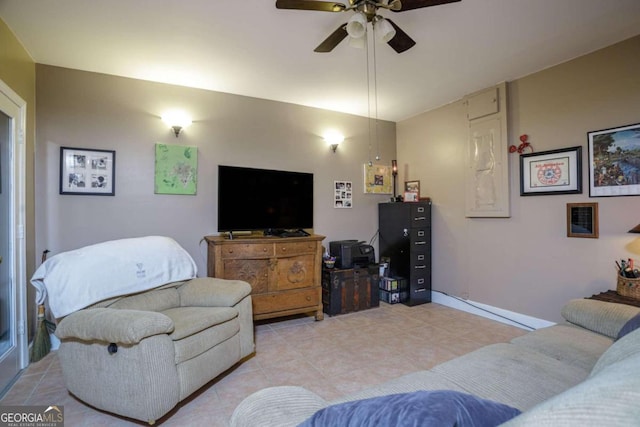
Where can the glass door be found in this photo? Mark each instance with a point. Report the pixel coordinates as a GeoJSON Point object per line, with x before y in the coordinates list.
{"type": "Point", "coordinates": [13, 354]}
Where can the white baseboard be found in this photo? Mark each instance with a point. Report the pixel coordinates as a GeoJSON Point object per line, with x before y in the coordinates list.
{"type": "Point", "coordinates": [500, 315]}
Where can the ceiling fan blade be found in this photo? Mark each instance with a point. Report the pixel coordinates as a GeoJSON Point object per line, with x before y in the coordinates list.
{"type": "Point", "coordinates": [322, 6]}
{"type": "Point", "coordinates": [417, 4]}
{"type": "Point", "coordinates": [333, 40]}
{"type": "Point", "coordinates": [401, 41]}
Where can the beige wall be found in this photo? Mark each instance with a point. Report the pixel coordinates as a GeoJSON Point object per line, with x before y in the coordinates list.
{"type": "Point", "coordinates": [526, 263]}
{"type": "Point", "coordinates": [523, 263]}
{"type": "Point", "coordinates": [17, 70]}
{"type": "Point", "coordinates": [89, 110]}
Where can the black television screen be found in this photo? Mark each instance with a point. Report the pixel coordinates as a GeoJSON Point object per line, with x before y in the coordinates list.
{"type": "Point", "coordinates": [260, 199]}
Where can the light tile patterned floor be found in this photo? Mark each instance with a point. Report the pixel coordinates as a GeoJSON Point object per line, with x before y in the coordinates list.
{"type": "Point", "coordinates": [339, 355]}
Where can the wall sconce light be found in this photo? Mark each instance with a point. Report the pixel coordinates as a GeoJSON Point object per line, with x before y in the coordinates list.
{"type": "Point", "coordinates": [333, 138]}
{"type": "Point", "coordinates": [176, 120]}
{"type": "Point", "coordinates": [635, 229]}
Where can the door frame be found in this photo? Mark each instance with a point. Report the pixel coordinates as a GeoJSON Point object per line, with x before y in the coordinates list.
{"type": "Point", "coordinates": [18, 220]}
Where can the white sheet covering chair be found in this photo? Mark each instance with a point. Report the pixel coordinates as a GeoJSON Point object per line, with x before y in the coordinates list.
{"type": "Point", "coordinates": [139, 354]}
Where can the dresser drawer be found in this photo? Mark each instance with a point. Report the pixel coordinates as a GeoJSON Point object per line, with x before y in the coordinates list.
{"type": "Point", "coordinates": [282, 301]}
{"type": "Point", "coordinates": [295, 248]}
{"type": "Point", "coordinates": [247, 251]}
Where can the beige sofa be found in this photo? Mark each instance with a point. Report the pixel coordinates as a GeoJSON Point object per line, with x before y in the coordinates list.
{"type": "Point", "coordinates": [139, 355]}
{"type": "Point", "coordinates": [570, 374]}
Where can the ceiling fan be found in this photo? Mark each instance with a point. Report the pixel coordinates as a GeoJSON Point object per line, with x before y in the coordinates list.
{"type": "Point", "coordinates": [366, 11]}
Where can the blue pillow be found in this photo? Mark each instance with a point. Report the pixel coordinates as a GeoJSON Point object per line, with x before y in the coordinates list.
{"type": "Point", "coordinates": [631, 325]}
{"type": "Point", "coordinates": [437, 408]}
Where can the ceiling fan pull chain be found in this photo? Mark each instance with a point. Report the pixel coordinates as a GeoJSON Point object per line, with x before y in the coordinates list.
{"type": "Point", "coordinates": [368, 95]}
{"type": "Point", "coordinates": [375, 99]}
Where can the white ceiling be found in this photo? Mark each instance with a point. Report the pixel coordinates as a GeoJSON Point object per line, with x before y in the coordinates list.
{"type": "Point", "coordinates": [248, 47]}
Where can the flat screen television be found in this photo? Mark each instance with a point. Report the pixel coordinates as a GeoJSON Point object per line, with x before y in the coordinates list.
{"type": "Point", "coordinates": [273, 201]}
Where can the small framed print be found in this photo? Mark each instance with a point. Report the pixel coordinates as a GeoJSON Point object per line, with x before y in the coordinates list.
{"type": "Point", "coordinates": [582, 220]}
{"type": "Point", "coordinates": [87, 172]}
{"type": "Point", "coordinates": [411, 191]}
{"type": "Point", "coordinates": [343, 194]}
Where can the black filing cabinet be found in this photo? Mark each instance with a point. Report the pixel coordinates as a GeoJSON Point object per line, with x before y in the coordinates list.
{"type": "Point", "coordinates": [405, 242]}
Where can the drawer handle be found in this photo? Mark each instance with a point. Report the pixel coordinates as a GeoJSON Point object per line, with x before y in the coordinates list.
{"type": "Point", "coordinates": [264, 249]}
{"type": "Point", "coordinates": [230, 251]}
{"type": "Point", "coordinates": [420, 267]}
{"type": "Point", "coordinates": [421, 243]}
{"type": "Point", "coordinates": [308, 298]}
{"type": "Point", "coordinates": [284, 249]}
{"type": "Point", "coordinates": [420, 218]}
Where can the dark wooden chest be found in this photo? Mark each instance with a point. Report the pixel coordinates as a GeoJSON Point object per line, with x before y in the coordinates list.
{"type": "Point", "coordinates": [349, 290]}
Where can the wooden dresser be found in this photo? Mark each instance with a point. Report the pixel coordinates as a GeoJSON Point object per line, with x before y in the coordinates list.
{"type": "Point", "coordinates": [284, 273]}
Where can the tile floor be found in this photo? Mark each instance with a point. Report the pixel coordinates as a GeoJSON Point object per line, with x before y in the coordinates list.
{"type": "Point", "coordinates": [339, 355]}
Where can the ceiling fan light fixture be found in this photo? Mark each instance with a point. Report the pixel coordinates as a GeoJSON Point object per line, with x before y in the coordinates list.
{"type": "Point", "coordinates": [384, 30]}
{"type": "Point", "coordinates": [357, 25]}
{"type": "Point", "coordinates": [358, 42]}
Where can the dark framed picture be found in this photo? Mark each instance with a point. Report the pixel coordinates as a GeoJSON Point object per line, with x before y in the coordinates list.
{"type": "Point", "coordinates": [87, 172]}
{"type": "Point", "coordinates": [614, 161]}
{"type": "Point", "coordinates": [582, 220]}
{"type": "Point", "coordinates": [551, 172]}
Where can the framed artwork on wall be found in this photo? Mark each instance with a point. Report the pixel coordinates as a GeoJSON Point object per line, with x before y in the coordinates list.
{"type": "Point", "coordinates": [614, 161]}
{"type": "Point", "coordinates": [87, 172]}
{"type": "Point", "coordinates": [377, 179]}
{"type": "Point", "coordinates": [582, 220]}
{"type": "Point", "coordinates": [176, 170]}
{"type": "Point", "coordinates": [343, 194]}
{"type": "Point", "coordinates": [551, 172]}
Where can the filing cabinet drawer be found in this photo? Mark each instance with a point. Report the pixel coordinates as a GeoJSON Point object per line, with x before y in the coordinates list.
{"type": "Point", "coordinates": [420, 216]}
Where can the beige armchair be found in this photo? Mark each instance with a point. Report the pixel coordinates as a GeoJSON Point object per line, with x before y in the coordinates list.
{"type": "Point", "coordinates": [139, 355]}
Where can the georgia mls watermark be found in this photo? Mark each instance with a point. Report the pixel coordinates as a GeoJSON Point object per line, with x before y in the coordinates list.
{"type": "Point", "coordinates": [32, 416]}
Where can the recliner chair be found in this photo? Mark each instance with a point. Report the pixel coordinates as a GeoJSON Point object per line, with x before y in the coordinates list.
{"type": "Point", "coordinates": [139, 332]}
{"type": "Point", "coordinates": [139, 355]}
